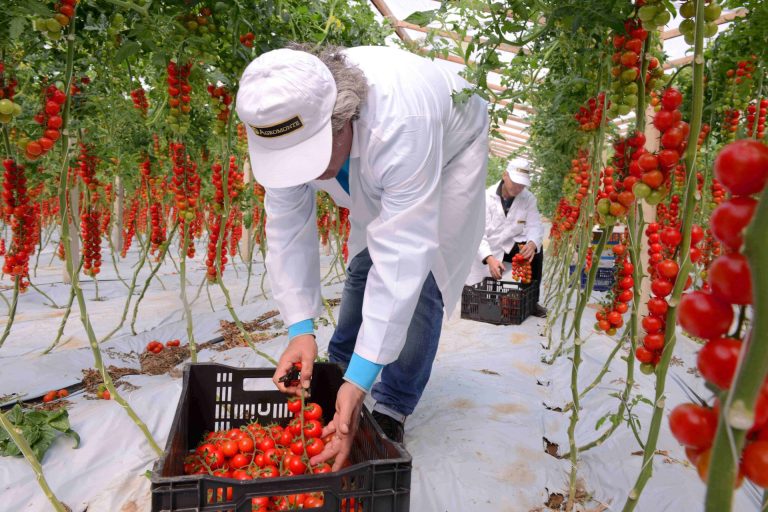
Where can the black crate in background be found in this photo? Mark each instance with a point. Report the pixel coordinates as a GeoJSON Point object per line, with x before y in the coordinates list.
{"type": "Point", "coordinates": [213, 398]}
{"type": "Point", "coordinates": [498, 302]}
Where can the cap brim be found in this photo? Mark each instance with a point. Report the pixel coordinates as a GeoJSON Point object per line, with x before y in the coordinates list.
{"type": "Point", "coordinates": [298, 164]}
{"type": "Point", "coordinates": [520, 180]}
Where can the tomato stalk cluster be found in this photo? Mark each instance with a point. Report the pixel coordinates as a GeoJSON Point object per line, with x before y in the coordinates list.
{"type": "Point", "coordinates": [708, 314]}
{"type": "Point", "coordinates": [17, 207]}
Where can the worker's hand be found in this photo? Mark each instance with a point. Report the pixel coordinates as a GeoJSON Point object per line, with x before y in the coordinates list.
{"type": "Point", "coordinates": [301, 349]}
{"type": "Point", "coordinates": [528, 251]}
{"type": "Point", "coordinates": [349, 402]}
{"type": "Point", "coordinates": [495, 267]}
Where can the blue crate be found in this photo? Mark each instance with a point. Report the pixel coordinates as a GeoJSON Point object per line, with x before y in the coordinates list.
{"type": "Point", "coordinates": [603, 280]}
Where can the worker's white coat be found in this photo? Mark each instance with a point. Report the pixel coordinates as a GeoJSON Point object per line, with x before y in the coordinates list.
{"type": "Point", "coordinates": [521, 224]}
{"type": "Point", "coordinates": [417, 171]}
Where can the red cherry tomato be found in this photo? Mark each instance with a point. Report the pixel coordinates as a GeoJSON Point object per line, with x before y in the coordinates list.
{"type": "Point", "coordinates": [717, 361]}
{"type": "Point", "coordinates": [704, 315]}
{"type": "Point", "coordinates": [693, 425]}
{"type": "Point", "coordinates": [742, 167]}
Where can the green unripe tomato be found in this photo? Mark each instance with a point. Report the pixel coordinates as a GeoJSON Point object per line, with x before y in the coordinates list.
{"type": "Point", "coordinates": [604, 206]}
{"type": "Point", "coordinates": [16, 110]}
{"type": "Point", "coordinates": [624, 109]}
{"type": "Point", "coordinates": [662, 18]}
{"type": "Point", "coordinates": [52, 25]}
{"type": "Point", "coordinates": [655, 197]}
{"type": "Point", "coordinates": [610, 220]}
{"type": "Point", "coordinates": [641, 190]}
{"type": "Point", "coordinates": [629, 75]}
{"type": "Point", "coordinates": [647, 368]}
{"type": "Point", "coordinates": [712, 11]}
{"type": "Point", "coordinates": [647, 13]}
{"type": "Point", "coordinates": [5, 118]}
{"type": "Point", "coordinates": [688, 10]}
{"type": "Point", "coordinates": [630, 100]}
{"type": "Point", "coordinates": [710, 29]}
{"type": "Point", "coordinates": [689, 39]}
{"type": "Point", "coordinates": [6, 107]}
{"type": "Point", "coordinates": [117, 20]}
{"type": "Point", "coordinates": [687, 26]}
{"type": "Point", "coordinates": [631, 88]}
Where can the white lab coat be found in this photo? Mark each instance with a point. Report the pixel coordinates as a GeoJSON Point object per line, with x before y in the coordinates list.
{"type": "Point", "coordinates": [521, 224]}
{"type": "Point", "coordinates": [417, 170]}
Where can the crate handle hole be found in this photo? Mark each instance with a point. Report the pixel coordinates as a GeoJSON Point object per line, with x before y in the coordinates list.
{"type": "Point", "coordinates": [255, 384]}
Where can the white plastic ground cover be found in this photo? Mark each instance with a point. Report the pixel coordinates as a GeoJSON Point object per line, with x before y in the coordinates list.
{"type": "Point", "coordinates": [477, 436]}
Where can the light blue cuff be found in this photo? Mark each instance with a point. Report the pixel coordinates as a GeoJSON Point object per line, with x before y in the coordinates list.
{"type": "Point", "coordinates": [303, 327]}
{"type": "Point", "coordinates": [362, 372]}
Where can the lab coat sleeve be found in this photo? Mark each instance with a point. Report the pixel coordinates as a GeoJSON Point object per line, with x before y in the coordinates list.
{"type": "Point", "coordinates": [534, 228]}
{"type": "Point", "coordinates": [293, 254]}
{"type": "Point", "coordinates": [405, 163]}
{"type": "Point", "coordinates": [485, 247]}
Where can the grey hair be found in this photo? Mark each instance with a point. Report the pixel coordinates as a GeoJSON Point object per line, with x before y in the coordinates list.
{"type": "Point", "coordinates": [351, 86]}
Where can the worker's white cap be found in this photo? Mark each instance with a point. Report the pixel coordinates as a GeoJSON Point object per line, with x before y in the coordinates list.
{"type": "Point", "coordinates": [517, 169]}
{"type": "Point", "coordinates": [285, 100]}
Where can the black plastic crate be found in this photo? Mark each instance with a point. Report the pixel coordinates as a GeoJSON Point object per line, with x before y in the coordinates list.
{"type": "Point", "coordinates": [498, 302]}
{"type": "Point", "coordinates": [213, 398]}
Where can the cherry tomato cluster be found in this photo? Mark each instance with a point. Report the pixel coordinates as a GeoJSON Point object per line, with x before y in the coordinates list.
{"type": "Point", "coordinates": [662, 245]}
{"type": "Point", "coordinates": [49, 117]}
{"type": "Point", "coordinates": [521, 269]}
{"type": "Point", "coordinates": [235, 229]}
{"type": "Point", "coordinates": [669, 215]}
{"type": "Point", "coordinates": [89, 232]}
{"type": "Point", "coordinates": [591, 116]}
{"type": "Point", "coordinates": [687, 27]}
{"type": "Point", "coordinates": [247, 39]}
{"type": "Point", "coordinates": [129, 226]}
{"type": "Point", "coordinates": [257, 451]}
{"type": "Point", "coordinates": [739, 83]}
{"type": "Point", "coordinates": [610, 318]}
{"type": "Point", "coordinates": [157, 235]}
{"type": "Point", "coordinates": [2, 247]}
{"type": "Point", "coordinates": [185, 183]}
{"type": "Point", "coordinates": [216, 215]}
{"type": "Point", "coordinates": [155, 347]}
{"type": "Point", "coordinates": [139, 98]}
{"type": "Point", "coordinates": [53, 395]}
{"type": "Point", "coordinates": [627, 66]}
{"type": "Point", "coordinates": [179, 91]}
{"type": "Point", "coordinates": [65, 11]}
{"type": "Point", "coordinates": [223, 101]}
{"type": "Point", "coordinates": [103, 393]}
{"type": "Point", "coordinates": [753, 113]}
{"type": "Point", "coordinates": [588, 260]}
{"type": "Point", "coordinates": [8, 108]}
{"type": "Point", "coordinates": [742, 166]}
{"type": "Point", "coordinates": [653, 14]}
{"type": "Point", "coordinates": [21, 214]}
{"type": "Point", "coordinates": [201, 23]}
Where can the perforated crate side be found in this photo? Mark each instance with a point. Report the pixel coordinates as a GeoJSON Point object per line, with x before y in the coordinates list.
{"type": "Point", "coordinates": [213, 397]}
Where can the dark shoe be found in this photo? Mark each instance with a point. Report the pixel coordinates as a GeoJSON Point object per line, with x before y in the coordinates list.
{"type": "Point", "coordinates": [539, 311]}
{"type": "Point", "coordinates": [392, 428]}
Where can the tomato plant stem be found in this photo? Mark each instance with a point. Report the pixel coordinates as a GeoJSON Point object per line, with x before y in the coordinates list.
{"type": "Point", "coordinates": [738, 411]}
{"type": "Point", "coordinates": [163, 250]}
{"type": "Point", "coordinates": [19, 440]}
{"type": "Point", "coordinates": [689, 206]}
{"type": "Point", "coordinates": [12, 311]}
{"type": "Point", "coordinates": [183, 293]}
{"type": "Point", "coordinates": [70, 266]}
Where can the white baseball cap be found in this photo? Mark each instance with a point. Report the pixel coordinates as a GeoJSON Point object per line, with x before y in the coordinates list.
{"type": "Point", "coordinates": [285, 100]}
{"type": "Point", "coordinates": [517, 169]}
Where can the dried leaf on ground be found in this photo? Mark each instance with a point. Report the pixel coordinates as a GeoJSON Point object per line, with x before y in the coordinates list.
{"type": "Point", "coordinates": [162, 362]}
{"type": "Point", "coordinates": [256, 328]}
{"type": "Point", "coordinates": [92, 377]}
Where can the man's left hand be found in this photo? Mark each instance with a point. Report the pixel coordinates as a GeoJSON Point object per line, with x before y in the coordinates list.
{"type": "Point", "coordinates": [349, 402]}
{"type": "Point", "coordinates": [528, 251]}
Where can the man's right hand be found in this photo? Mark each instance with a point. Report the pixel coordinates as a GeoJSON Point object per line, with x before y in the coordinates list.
{"type": "Point", "coordinates": [495, 267]}
{"type": "Point", "coordinates": [301, 349]}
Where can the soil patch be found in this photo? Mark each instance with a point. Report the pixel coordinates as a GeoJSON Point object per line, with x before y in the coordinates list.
{"type": "Point", "coordinates": [92, 377]}
{"type": "Point", "coordinates": [162, 362]}
{"type": "Point", "coordinates": [259, 329]}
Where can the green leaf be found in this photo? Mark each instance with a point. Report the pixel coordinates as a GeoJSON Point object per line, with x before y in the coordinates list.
{"type": "Point", "coordinates": [422, 18]}
{"type": "Point", "coordinates": [16, 27]}
{"type": "Point", "coordinates": [127, 50]}
{"type": "Point", "coordinates": [74, 435]}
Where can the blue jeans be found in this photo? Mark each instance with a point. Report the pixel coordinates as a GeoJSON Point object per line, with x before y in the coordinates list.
{"type": "Point", "coordinates": [402, 381]}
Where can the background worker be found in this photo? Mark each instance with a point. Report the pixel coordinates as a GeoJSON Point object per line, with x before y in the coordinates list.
{"type": "Point", "coordinates": [512, 221]}
{"type": "Point", "coordinates": [376, 128]}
